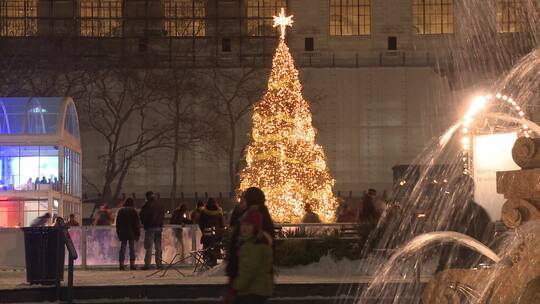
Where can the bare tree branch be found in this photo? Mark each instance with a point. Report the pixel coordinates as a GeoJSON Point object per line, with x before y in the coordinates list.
{"type": "Point", "coordinates": [234, 93]}
{"type": "Point", "coordinates": [116, 100]}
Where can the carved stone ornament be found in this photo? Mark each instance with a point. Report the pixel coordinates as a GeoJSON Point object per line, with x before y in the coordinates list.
{"type": "Point", "coordinates": [515, 212]}
{"type": "Point", "coordinates": [526, 152]}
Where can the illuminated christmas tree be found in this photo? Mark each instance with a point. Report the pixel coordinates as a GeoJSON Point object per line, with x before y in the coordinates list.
{"type": "Point", "coordinates": [283, 158]}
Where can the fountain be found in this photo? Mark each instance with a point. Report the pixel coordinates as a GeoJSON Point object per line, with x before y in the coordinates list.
{"type": "Point", "coordinates": [442, 195]}
{"type": "Point", "coordinates": [439, 193]}
{"type": "Point", "coordinates": [437, 237]}
{"type": "Point", "coordinates": [516, 278]}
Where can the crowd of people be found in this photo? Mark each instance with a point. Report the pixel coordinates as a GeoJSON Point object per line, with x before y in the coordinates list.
{"type": "Point", "coordinates": [208, 215]}
{"type": "Point", "coordinates": [250, 249]}
{"type": "Point", "coordinates": [37, 183]}
{"type": "Point", "coordinates": [211, 219]}
{"type": "Point", "coordinates": [367, 212]}
{"type": "Point", "coordinates": [250, 234]}
{"type": "Point", "coordinates": [251, 231]}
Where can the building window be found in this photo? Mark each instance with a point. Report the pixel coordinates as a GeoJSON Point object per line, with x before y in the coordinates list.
{"type": "Point", "coordinates": [29, 168]}
{"type": "Point", "coordinates": [72, 208]}
{"type": "Point", "coordinates": [72, 173]}
{"type": "Point", "coordinates": [510, 16]}
{"type": "Point", "coordinates": [18, 18]}
{"type": "Point", "coordinates": [71, 121]}
{"type": "Point", "coordinates": [433, 16]}
{"type": "Point", "coordinates": [350, 17]}
{"type": "Point", "coordinates": [100, 18]}
{"type": "Point", "coordinates": [185, 18]}
{"type": "Point", "coordinates": [260, 16]}
{"type": "Point", "coordinates": [33, 209]}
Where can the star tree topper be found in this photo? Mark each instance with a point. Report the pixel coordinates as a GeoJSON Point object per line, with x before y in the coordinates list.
{"type": "Point", "coordinates": [283, 21]}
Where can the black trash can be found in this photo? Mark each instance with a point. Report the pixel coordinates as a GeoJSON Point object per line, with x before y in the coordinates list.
{"type": "Point", "coordinates": [45, 254]}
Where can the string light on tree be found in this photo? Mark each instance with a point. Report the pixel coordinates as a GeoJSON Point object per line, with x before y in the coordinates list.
{"type": "Point", "coordinates": [283, 158]}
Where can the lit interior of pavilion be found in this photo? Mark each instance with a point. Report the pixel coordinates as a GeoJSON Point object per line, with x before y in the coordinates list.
{"type": "Point", "coordinates": [40, 159]}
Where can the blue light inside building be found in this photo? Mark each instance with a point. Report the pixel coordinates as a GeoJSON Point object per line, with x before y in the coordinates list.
{"type": "Point", "coordinates": [40, 158]}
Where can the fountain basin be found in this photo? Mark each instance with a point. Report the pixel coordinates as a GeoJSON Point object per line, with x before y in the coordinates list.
{"type": "Point", "coordinates": [514, 280]}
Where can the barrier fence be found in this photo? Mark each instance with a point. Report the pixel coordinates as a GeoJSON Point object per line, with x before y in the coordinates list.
{"type": "Point", "coordinates": [98, 246]}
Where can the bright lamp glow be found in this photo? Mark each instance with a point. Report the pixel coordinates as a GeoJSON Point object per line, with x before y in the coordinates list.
{"type": "Point", "coordinates": [492, 153]}
{"type": "Point", "coordinates": [478, 104]}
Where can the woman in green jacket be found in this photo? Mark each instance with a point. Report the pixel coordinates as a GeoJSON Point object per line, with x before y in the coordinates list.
{"type": "Point", "coordinates": [254, 284]}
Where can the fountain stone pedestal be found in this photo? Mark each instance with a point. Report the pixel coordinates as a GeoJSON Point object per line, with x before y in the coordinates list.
{"type": "Point", "coordinates": [521, 188]}
{"type": "Point", "coordinates": [516, 279]}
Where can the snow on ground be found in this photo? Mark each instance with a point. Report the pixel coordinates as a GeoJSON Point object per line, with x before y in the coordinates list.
{"type": "Point", "coordinates": [328, 267]}
{"type": "Point", "coordinates": [327, 270]}
{"type": "Point", "coordinates": [107, 277]}
{"type": "Point", "coordinates": [13, 280]}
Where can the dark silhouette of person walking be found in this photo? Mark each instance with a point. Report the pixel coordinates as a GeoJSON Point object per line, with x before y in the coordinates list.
{"type": "Point", "coordinates": [152, 215]}
{"type": "Point", "coordinates": [254, 281]}
{"type": "Point", "coordinates": [179, 217]}
{"type": "Point", "coordinates": [254, 199]}
{"type": "Point", "coordinates": [41, 221]}
{"type": "Point", "coordinates": [128, 232]}
{"type": "Point", "coordinates": [211, 224]}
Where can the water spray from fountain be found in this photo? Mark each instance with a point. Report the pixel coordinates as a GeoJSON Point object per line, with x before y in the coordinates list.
{"type": "Point", "coordinates": [441, 199]}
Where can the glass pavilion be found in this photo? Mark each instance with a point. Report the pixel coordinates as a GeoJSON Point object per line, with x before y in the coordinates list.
{"type": "Point", "coordinates": [40, 159]}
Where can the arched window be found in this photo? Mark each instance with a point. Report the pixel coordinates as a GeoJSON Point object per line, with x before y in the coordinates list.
{"type": "Point", "coordinates": [42, 116]}
{"type": "Point", "coordinates": [35, 122]}
{"type": "Point", "coordinates": [12, 114]}
{"type": "Point", "coordinates": [4, 119]}
{"type": "Point", "coordinates": [71, 123]}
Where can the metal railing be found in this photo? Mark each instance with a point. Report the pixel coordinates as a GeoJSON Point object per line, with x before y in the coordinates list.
{"type": "Point", "coordinates": [98, 246]}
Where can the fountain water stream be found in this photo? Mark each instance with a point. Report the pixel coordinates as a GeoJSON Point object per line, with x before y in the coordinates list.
{"type": "Point", "coordinates": [509, 118]}
{"type": "Point", "coordinates": [441, 193]}
{"type": "Point", "coordinates": [431, 238]}
{"type": "Point", "coordinates": [418, 246]}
